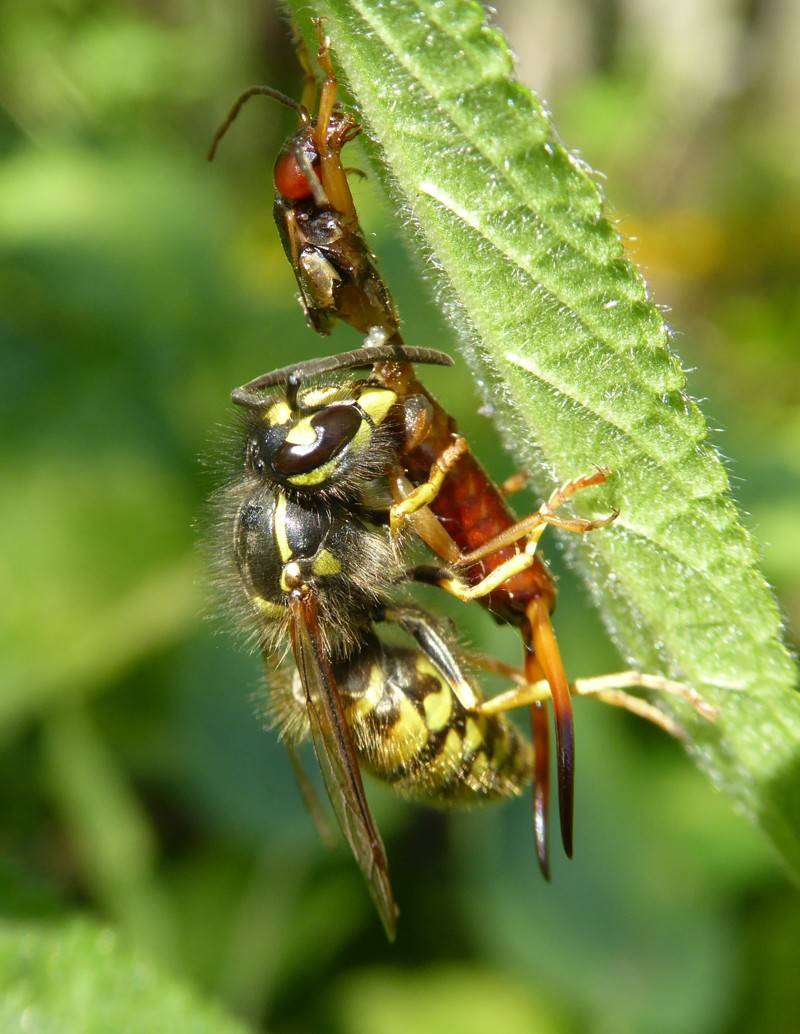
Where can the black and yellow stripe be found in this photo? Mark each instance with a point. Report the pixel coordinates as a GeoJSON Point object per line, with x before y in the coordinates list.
{"type": "Point", "coordinates": [412, 732]}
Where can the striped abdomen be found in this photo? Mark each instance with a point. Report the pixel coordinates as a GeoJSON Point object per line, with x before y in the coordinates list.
{"type": "Point", "coordinates": [412, 732]}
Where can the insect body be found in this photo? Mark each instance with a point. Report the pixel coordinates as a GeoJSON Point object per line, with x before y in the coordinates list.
{"type": "Point", "coordinates": [338, 280]}
{"type": "Point", "coordinates": [509, 579]}
{"type": "Point", "coordinates": [312, 575]}
{"type": "Point", "coordinates": [297, 548]}
{"type": "Point", "coordinates": [315, 214]}
{"type": "Point", "coordinates": [410, 727]}
{"type": "Point", "coordinates": [306, 547]}
{"type": "Point", "coordinates": [318, 575]}
{"type": "Point", "coordinates": [337, 441]}
{"type": "Point", "coordinates": [331, 469]}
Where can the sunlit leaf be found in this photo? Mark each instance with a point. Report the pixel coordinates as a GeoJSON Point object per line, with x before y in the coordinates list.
{"type": "Point", "coordinates": [574, 357]}
{"type": "Point", "coordinates": [467, 999]}
{"type": "Point", "coordinates": [76, 978]}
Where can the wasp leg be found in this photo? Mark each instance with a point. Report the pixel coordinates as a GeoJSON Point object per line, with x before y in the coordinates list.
{"type": "Point", "coordinates": [609, 689]}
{"type": "Point", "coordinates": [311, 800]}
{"type": "Point", "coordinates": [532, 527]}
{"type": "Point", "coordinates": [513, 484]}
{"type": "Point", "coordinates": [425, 524]}
{"type": "Point", "coordinates": [540, 738]}
{"type": "Point", "coordinates": [433, 644]}
{"type": "Point", "coordinates": [309, 94]}
{"type": "Point", "coordinates": [424, 494]}
{"type": "Point", "coordinates": [333, 176]}
{"type": "Point", "coordinates": [318, 188]}
{"type": "Point", "coordinates": [293, 235]}
{"type": "Point", "coordinates": [547, 656]}
{"type": "Point", "coordinates": [467, 593]}
{"type": "Point", "coordinates": [495, 666]}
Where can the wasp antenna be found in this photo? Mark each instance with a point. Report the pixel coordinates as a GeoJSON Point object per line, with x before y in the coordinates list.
{"type": "Point", "coordinates": [242, 99]}
{"type": "Point", "coordinates": [293, 382]}
{"type": "Point", "coordinates": [359, 359]}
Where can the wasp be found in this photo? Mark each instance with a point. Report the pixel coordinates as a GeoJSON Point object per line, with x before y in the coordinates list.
{"type": "Point", "coordinates": [438, 487]}
{"type": "Point", "coordinates": [306, 549]}
{"type": "Point", "coordinates": [314, 209]}
{"type": "Point", "coordinates": [338, 280]}
{"type": "Point", "coordinates": [298, 535]}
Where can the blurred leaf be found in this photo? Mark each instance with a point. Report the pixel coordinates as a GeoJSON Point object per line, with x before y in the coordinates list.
{"type": "Point", "coordinates": [77, 978]}
{"type": "Point", "coordinates": [575, 358]}
{"type": "Point", "coordinates": [93, 575]}
{"type": "Point", "coordinates": [441, 1000]}
{"type": "Point", "coordinates": [109, 829]}
{"type": "Point", "coordinates": [640, 912]}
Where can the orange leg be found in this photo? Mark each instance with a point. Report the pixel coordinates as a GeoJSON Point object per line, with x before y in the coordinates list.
{"type": "Point", "coordinates": [309, 94]}
{"type": "Point", "coordinates": [514, 483]}
{"type": "Point", "coordinates": [334, 178]}
{"type": "Point", "coordinates": [532, 527]}
{"type": "Point", "coordinates": [425, 524]}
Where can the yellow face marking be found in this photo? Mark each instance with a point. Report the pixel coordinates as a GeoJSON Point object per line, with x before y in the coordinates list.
{"type": "Point", "coordinates": [473, 737]}
{"type": "Point", "coordinates": [281, 538]}
{"type": "Point", "coordinates": [362, 437]}
{"type": "Point", "coordinates": [314, 477]}
{"type": "Point", "coordinates": [376, 403]}
{"type": "Point", "coordinates": [319, 396]}
{"type": "Point", "coordinates": [408, 735]}
{"type": "Point", "coordinates": [325, 563]}
{"type": "Point", "coordinates": [438, 705]}
{"type": "Point", "coordinates": [279, 413]}
{"type": "Point", "coordinates": [270, 610]}
{"type": "Point", "coordinates": [302, 433]}
{"type": "Point", "coordinates": [374, 692]}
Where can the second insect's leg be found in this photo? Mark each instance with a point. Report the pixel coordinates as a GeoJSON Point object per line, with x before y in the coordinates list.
{"type": "Point", "coordinates": [425, 493]}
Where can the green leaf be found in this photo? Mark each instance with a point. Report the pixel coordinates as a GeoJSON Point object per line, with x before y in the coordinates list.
{"type": "Point", "coordinates": [463, 998]}
{"type": "Point", "coordinates": [574, 358]}
{"type": "Point", "coordinates": [77, 978]}
{"type": "Point", "coordinates": [108, 829]}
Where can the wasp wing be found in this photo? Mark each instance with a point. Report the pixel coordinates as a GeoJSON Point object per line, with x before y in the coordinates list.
{"type": "Point", "coordinates": [337, 759]}
{"type": "Point", "coordinates": [313, 804]}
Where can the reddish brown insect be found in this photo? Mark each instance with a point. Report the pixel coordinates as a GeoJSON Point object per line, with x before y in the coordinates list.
{"type": "Point", "coordinates": [314, 210]}
{"type": "Point", "coordinates": [510, 580]}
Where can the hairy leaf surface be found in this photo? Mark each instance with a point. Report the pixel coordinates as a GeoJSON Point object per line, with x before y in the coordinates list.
{"type": "Point", "coordinates": [574, 357]}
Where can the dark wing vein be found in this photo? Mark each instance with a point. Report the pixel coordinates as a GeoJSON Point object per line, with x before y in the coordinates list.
{"type": "Point", "coordinates": [337, 759]}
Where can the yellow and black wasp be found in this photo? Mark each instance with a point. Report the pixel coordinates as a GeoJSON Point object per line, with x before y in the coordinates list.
{"type": "Point", "coordinates": [306, 548]}
{"type": "Point", "coordinates": [338, 280]}
{"type": "Point", "coordinates": [300, 534]}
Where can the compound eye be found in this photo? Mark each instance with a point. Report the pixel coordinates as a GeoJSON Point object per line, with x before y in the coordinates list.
{"type": "Point", "coordinates": [335, 428]}
{"type": "Point", "coordinates": [290, 179]}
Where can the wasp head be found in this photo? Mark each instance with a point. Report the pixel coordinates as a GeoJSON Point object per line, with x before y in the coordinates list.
{"type": "Point", "coordinates": [326, 440]}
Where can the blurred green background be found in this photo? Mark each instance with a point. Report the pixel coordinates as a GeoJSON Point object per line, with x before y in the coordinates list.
{"type": "Point", "coordinates": [138, 285]}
